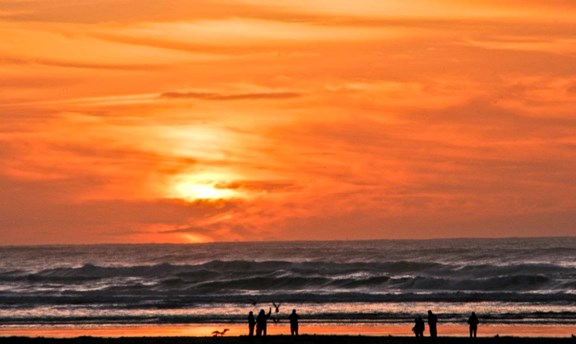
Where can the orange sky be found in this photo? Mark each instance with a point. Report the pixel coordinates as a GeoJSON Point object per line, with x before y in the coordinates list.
{"type": "Point", "coordinates": [191, 121]}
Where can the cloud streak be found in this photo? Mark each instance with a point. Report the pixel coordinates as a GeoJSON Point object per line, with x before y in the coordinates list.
{"type": "Point", "coordinates": [238, 96]}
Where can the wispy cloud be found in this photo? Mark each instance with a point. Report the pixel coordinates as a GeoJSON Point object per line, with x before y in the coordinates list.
{"type": "Point", "coordinates": [79, 64]}
{"type": "Point", "coordinates": [236, 96]}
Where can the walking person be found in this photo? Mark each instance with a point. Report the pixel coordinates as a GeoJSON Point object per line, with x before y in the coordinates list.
{"type": "Point", "coordinates": [473, 322]}
{"type": "Point", "coordinates": [294, 323]}
{"type": "Point", "coordinates": [261, 322]}
{"type": "Point", "coordinates": [251, 324]}
{"type": "Point", "coordinates": [432, 321]}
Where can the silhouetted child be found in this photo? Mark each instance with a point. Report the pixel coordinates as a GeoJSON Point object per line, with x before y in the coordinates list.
{"type": "Point", "coordinates": [261, 322]}
{"type": "Point", "coordinates": [473, 322]}
{"type": "Point", "coordinates": [251, 324]}
{"type": "Point", "coordinates": [419, 327]}
{"type": "Point", "coordinates": [432, 321]}
{"type": "Point", "coordinates": [294, 323]}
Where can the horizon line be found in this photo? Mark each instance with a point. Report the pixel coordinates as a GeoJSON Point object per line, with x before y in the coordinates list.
{"type": "Point", "coordinates": [290, 241]}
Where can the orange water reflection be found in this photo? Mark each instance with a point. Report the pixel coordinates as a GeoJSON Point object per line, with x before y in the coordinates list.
{"type": "Point", "coordinates": [195, 330]}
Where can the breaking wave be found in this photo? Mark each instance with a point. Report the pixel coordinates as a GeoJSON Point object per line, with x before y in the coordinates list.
{"type": "Point", "coordinates": [127, 283]}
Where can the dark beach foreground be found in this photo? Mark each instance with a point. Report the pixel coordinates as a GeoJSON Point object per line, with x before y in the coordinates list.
{"type": "Point", "coordinates": [306, 339]}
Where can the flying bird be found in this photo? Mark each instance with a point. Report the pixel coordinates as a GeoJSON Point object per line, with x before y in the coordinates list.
{"type": "Point", "coordinates": [219, 333]}
{"type": "Point", "coordinates": [277, 306]}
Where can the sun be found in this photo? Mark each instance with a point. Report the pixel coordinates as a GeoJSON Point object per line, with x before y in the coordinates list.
{"type": "Point", "coordinates": [191, 191]}
{"type": "Point", "coordinates": [202, 187]}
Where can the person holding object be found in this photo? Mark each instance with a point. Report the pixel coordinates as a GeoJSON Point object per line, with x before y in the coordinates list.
{"type": "Point", "coordinates": [261, 322]}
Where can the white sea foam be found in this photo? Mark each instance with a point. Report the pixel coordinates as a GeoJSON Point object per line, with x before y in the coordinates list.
{"type": "Point", "coordinates": [505, 280]}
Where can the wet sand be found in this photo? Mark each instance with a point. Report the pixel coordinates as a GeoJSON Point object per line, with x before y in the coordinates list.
{"type": "Point", "coordinates": [236, 330]}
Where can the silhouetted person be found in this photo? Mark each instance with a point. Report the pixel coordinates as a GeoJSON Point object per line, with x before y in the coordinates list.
{"type": "Point", "coordinates": [473, 322]}
{"type": "Point", "coordinates": [432, 321]}
{"type": "Point", "coordinates": [261, 320]}
{"type": "Point", "coordinates": [294, 323]}
{"type": "Point", "coordinates": [251, 324]}
{"type": "Point", "coordinates": [418, 327]}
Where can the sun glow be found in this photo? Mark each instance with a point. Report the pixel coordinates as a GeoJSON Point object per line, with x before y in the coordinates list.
{"type": "Point", "coordinates": [193, 188]}
{"type": "Point", "coordinates": [192, 191]}
{"type": "Point", "coordinates": [196, 238]}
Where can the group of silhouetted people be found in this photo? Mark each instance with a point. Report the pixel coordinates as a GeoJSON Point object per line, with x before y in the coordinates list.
{"type": "Point", "coordinates": [419, 325]}
{"type": "Point", "coordinates": [261, 323]}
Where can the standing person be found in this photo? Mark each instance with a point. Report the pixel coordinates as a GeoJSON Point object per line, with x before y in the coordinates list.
{"type": "Point", "coordinates": [251, 324]}
{"type": "Point", "coordinates": [294, 323]}
{"type": "Point", "coordinates": [261, 322]}
{"type": "Point", "coordinates": [419, 327]}
{"type": "Point", "coordinates": [432, 321]}
{"type": "Point", "coordinates": [473, 322]}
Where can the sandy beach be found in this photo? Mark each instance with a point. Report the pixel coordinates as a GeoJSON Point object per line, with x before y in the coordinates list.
{"type": "Point", "coordinates": [319, 339]}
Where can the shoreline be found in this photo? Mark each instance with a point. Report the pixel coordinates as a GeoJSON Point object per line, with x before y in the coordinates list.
{"type": "Point", "coordinates": [239, 330]}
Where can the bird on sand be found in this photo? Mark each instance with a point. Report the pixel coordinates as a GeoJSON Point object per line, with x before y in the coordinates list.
{"type": "Point", "coordinates": [219, 333]}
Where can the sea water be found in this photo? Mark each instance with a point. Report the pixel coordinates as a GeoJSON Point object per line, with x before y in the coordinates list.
{"type": "Point", "coordinates": [505, 281]}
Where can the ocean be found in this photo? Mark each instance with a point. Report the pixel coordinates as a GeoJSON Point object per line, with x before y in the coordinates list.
{"type": "Point", "coordinates": [505, 281]}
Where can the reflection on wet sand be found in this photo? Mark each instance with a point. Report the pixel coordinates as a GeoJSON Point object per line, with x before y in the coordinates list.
{"type": "Point", "coordinates": [205, 330]}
